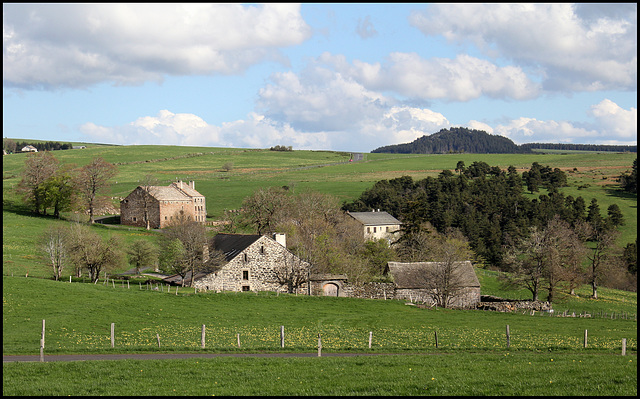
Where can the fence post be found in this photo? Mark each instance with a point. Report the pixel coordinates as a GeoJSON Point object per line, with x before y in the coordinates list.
{"type": "Point", "coordinates": [202, 338]}
{"type": "Point", "coordinates": [624, 346]}
{"type": "Point", "coordinates": [113, 326]}
{"type": "Point", "coordinates": [319, 345]}
{"type": "Point", "coordinates": [585, 338]}
{"type": "Point", "coordinates": [436, 336]}
{"type": "Point", "coordinates": [282, 336]}
{"type": "Point", "coordinates": [42, 343]}
{"type": "Point", "coordinates": [508, 337]}
{"type": "Point", "coordinates": [238, 335]}
{"type": "Point", "coordinates": [370, 338]}
{"type": "Point", "coordinates": [158, 337]}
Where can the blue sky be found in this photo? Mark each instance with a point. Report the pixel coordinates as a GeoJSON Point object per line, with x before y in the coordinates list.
{"type": "Point", "coordinates": [349, 77]}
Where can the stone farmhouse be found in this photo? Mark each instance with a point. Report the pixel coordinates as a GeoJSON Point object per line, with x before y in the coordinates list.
{"type": "Point", "coordinates": [411, 281]}
{"type": "Point", "coordinates": [377, 224]}
{"type": "Point", "coordinates": [252, 264]}
{"type": "Point", "coordinates": [162, 204]}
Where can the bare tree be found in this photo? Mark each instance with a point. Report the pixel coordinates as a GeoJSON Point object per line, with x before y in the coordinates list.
{"type": "Point", "coordinates": [526, 260]}
{"type": "Point", "coordinates": [193, 240]}
{"type": "Point", "coordinates": [604, 240]}
{"type": "Point", "coordinates": [86, 249]}
{"type": "Point", "coordinates": [291, 272]}
{"type": "Point", "coordinates": [38, 167]}
{"type": "Point", "coordinates": [147, 184]}
{"type": "Point", "coordinates": [264, 208]}
{"type": "Point", "coordinates": [53, 244]}
{"type": "Point", "coordinates": [92, 183]}
{"type": "Point", "coordinates": [447, 277]}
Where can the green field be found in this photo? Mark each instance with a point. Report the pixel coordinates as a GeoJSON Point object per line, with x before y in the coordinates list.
{"type": "Point", "coordinates": [471, 358]}
{"type": "Point", "coordinates": [323, 171]}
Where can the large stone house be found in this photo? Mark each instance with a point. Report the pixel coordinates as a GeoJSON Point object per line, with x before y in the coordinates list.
{"type": "Point", "coordinates": [253, 263]}
{"type": "Point", "coordinates": [377, 224]}
{"type": "Point", "coordinates": [414, 281]}
{"type": "Point", "coordinates": [162, 204]}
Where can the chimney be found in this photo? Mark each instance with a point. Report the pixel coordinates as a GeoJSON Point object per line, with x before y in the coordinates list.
{"type": "Point", "coordinates": [180, 184]}
{"type": "Point", "coordinates": [192, 184]}
{"type": "Point", "coordinates": [280, 238]}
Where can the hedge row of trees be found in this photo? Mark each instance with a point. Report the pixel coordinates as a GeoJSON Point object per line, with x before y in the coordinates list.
{"type": "Point", "coordinates": [11, 146]}
{"type": "Point", "coordinates": [47, 184]}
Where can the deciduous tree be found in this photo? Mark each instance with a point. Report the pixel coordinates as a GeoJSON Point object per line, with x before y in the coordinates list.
{"type": "Point", "coordinates": [92, 183]}
{"type": "Point", "coordinates": [38, 168]}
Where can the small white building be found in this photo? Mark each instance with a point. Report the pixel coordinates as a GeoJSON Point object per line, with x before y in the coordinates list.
{"type": "Point", "coordinates": [377, 224]}
{"type": "Point", "coordinates": [29, 148]}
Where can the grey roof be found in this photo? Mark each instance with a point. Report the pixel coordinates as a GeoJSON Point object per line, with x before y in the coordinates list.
{"type": "Point", "coordinates": [414, 274]}
{"type": "Point", "coordinates": [233, 244]}
{"type": "Point", "coordinates": [374, 218]}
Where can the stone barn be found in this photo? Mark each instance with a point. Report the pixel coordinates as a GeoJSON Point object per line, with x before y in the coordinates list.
{"type": "Point", "coordinates": [421, 281]}
{"type": "Point", "coordinates": [162, 204]}
{"type": "Point", "coordinates": [253, 263]}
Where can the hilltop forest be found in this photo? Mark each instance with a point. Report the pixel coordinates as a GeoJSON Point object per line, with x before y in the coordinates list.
{"type": "Point", "coordinates": [463, 140]}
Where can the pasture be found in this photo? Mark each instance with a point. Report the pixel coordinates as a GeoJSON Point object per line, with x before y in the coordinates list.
{"type": "Point", "coordinates": [471, 358]}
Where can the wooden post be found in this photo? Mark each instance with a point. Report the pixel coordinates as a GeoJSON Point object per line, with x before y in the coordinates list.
{"type": "Point", "coordinates": [436, 336]}
{"type": "Point", "coordinates": [176, 290]}
{"type": "Point", "coordinates": [202, 338]}
{"type": "Point", "coordinates": [238, 335]}
{"type": "Point", "coordinates": [624, 346]}
{"type": "Point", "coordinates": [113, 282]}
{"type": "Point", "coordinates": [113, 326]}
{"type": "Point", "coordinates": [69, 278]}
{"type": "Point", "coordinates": [140, 285]}
{"type": "Point", "coordinates": [585, 338]}
{"type": "Point", "coordinates": [282, 336]}
{"type": "Point", "coordinates": [508, 337]}
{"type": "Point", "coordinates": [158, 338]}
{"type": "Point", "coordinates": [128, 284]}
{"type": "Point", "coordinates": [42, 343]}
{"type": "Point", "coordinates": [319, 345]}
{"type": "Point", "coordinates": [370, 338]}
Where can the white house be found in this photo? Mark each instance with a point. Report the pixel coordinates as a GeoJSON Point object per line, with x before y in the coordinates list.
{"type": "Point", "coordinates": [29, 148]}
{"type": "Point", "coordinates": [377, 224]}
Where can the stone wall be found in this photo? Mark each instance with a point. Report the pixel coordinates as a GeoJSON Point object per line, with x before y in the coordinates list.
{"type": "Point", "coordinates": [251, 270]}
{"type": "Point", "coordinates": [497, 304]}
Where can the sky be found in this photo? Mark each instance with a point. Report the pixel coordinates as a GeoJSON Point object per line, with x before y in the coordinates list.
{"type": "Point", "coordinates": [324, 76]}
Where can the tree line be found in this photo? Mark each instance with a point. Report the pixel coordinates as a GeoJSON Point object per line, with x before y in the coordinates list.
{"type": "Point", "coordinates": [487, 206]}
{"type": "Point", "coordinates": [11, 146]}
{"type": "Point", "coordinates": [464, 140]}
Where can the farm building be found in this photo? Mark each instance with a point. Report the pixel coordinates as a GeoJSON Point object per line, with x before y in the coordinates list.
{"type": "Point", "coordinates": [430, 282]}
{"type": "Point", "coordinates": [377, 224]}
{"type": "Point", "coordinates": [29, 148]}
{"type": "Point", "coordinates": [162, 204]}
{"type": "Point", "coordinates": [255, 263]}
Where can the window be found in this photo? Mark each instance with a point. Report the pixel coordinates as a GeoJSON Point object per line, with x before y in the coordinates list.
{"type": "Point", "coordinates": [262, 249]}
{"type": "Point", "coordinates": [245, 288]}
{"type": "Point", "coordinates": [368, 230]}
{"type": "Point", "coordinates": [246, 257]}
{"type": "Point", "coordinates": [245, 274]}
{"type": "Point", "coordinates": [134, 218]}
{"type": "Point", "coordinates": [375, 229]}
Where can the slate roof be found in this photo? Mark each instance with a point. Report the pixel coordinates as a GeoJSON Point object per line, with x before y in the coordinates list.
{"type": "Point", "coordinates": [413, 275]}
{"type": "Point", "coordinates": [173, 192]}
{"type": "Point", "coordinates": [233, 244]}
{"type": "Point", "coordinates": [374, 218]}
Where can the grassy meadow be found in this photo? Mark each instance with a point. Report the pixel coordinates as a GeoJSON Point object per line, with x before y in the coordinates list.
{"type": "Point", "coordinates": [546, 354]}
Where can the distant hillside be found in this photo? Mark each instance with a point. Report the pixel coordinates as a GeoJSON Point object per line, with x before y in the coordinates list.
{"type": "Point", "coordinates": [456, 140]}
{"type": "Point", "coordinates": [463, 140]}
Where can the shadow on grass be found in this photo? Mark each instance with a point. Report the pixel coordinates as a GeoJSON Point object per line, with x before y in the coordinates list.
{"type": "Point", "coordinates": [618, 193]}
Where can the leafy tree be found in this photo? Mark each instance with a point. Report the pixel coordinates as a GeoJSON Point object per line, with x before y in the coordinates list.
{"type": "Point", "coordinates": [58, 191]}
{"type": "Point", "coordinates": [291, 271]}
{"type": "Point", "coordinates": [264, 208]}
{"type": "Point", "coordinates": [92, 183]}
{"type": "Point", "coordinates": [142, 253]}
{"type": "Point", "coordinates": [603, 239]}
{"type": "Point", "coordinates": [630, 257]}
{"type": "Point", "coordinates": [172, 258]}
{"type": "Point", "coordinates": [614, 215]}
{"type": "Point", "coordinates": [38, 167]}
{"type": "Point", "coordinates": [629, 181]}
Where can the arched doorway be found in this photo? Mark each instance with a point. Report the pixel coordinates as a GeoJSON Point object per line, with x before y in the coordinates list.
{"type": "Point", "coordinates": [330, 289]}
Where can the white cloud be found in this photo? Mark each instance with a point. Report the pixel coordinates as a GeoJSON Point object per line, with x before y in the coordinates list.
{"type": "Point", "coordinates": [460, 79]}
{"type": "Point", "coordinates": [365, 28]}
{"type": "Point", "coordinates": [571, 47]}
{"type": "Point", "coordinates": [611, 125]}
{"type": "Point", "coordinates": [77, 45]}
